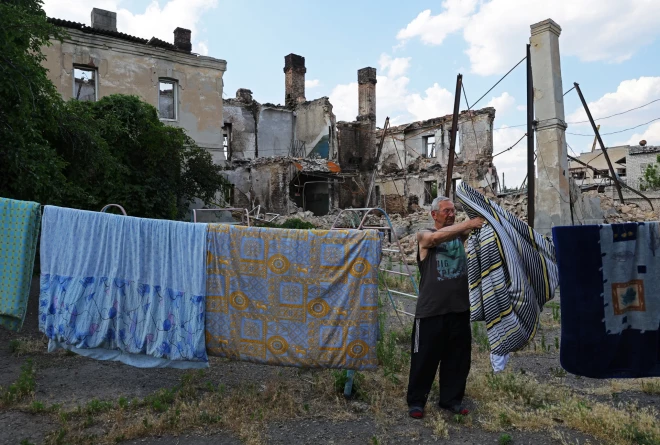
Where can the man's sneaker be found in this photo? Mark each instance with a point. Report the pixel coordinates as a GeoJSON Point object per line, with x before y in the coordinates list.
{"type": "Point", "coordinates": [416, 412]}
{"type": "Point", "coordinates": [456, 408]}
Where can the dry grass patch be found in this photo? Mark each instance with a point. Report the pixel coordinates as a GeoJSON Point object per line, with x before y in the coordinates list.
{"type": "Point", "coordinates": [522, 402]}
{"type": "Point", "coordinates": [27, 345]}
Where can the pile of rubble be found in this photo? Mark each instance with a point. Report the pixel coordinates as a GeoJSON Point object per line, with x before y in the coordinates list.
{"type": "Point", "coordinates": [615, 212]}
{"type": "Point", "coordinates": [406, 226]}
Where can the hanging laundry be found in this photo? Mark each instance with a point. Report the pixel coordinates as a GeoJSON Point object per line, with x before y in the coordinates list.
{"type": "Point", "coordinates": [306, 298]}
{"type": "Point", "coordinates": [512, 273]}
{"type": "Point", "coordinates": [19, 230]}
{"type": "Point", "coordinates": [610, 299]}
{"type": "Point", "coordinates": [122, 288]}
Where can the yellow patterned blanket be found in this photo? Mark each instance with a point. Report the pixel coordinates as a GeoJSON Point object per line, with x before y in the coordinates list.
{"type": "Point", "coordinates": [306, 298]}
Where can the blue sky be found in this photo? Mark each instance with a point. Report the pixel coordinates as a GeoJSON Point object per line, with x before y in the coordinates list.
{"type": "Point", "coordinates": [610, 47]}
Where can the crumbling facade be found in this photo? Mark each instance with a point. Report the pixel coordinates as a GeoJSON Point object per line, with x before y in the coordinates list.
{"type": "Point", "coordinates": [96, 61]}
{"type": "Point", "coordinates": [281, 156]}
{"type": "Point", "coordinates": [413, 163]}
{"type": "Point", "coordinates": [412, 166]}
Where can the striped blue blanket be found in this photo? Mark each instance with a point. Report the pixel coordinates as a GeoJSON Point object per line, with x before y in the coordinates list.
{"type": "Point", "coordinates": [610, 299]}
{"type": "Point", "coordinates": [122, 288]}
{"type": "Point", "coordinates": [512, 273]}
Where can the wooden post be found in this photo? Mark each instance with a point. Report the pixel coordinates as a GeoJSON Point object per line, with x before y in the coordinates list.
{"type": "Point", "coordinates": [600, 141]}
{"type": "Point", "coordinates": [531, 169]}
{"type": "Point", "coordinates": [452, 141]}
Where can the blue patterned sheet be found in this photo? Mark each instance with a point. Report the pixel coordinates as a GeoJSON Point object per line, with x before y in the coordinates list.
{"type": "Point", "coordinates": [121, 288]}
{"type": "Point", "coordinates": [19, 230]}
{"type": "Point", "coordinates": [609, 276]}
{"type": "Point", "coordinates": [306, 298]}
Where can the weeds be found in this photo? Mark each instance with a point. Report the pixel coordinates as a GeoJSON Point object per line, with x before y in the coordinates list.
{"type": "Point", "coordinates": [440, 428]}
{"type": "Point", "coordinates": [558, 372]}
{"type": "Point", "coordinates": [650, 387]}
{"type": "Point", "coordinates": [23, 346]}
{"type": "Point", "coordinates": [505, 439]}
{"type": "Point", "coordinates": [37, 407]}
{"type": "Point", "coordinates": [480, 336]}
{"type": "Point", "coordinates": [21, 388]}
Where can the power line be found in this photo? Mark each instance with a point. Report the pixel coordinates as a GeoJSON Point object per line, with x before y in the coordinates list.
{"type": "Point", "coordinates": [491, 89]}
{"type": "Point", "coordinates": [504, 151]}
{"type": "Point", "coordinates": [595, 119]}
{"type": "Point", "coordinates": [569, 91]}
{"type": "Point", "coordinates": [616, 114]}
{"type": "Point", "coordinates": [616, 132]}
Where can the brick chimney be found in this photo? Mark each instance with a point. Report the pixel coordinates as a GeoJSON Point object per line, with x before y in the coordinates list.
{"type": "Point", "coordinates": [367, 94]}
{"type": "Point", "coordinates": [105, 20]}
{"type": "Point", "coordinates": [182, 39]}
{"type": "Point", "coordinates": [294, 80]}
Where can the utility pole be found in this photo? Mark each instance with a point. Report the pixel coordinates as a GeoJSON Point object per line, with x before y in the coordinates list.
{"type": "Point", "coordinates": [378, 153]}
{"type": "Point", "coordinates": [452, 140]}
{"type": "Point", "coordinates": [531, 169]}
{"type": "Point", "coordinates": [593, 147]}
{"type": "Point", "coordinates": [600, 141]}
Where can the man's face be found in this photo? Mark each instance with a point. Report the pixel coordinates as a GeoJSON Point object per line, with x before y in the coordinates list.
{"type": "Point", "coordinates": [445, 215]}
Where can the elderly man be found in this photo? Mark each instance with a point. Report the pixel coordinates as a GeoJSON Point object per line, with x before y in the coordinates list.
{"type": "Point", "coordinates": [441, 333]}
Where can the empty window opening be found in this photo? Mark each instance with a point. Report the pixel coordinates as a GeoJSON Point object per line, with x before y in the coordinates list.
{"type": "Point", "coordinates": [429, 146]}
{"type": "Point", "coordinates": [167, 99]}
{"type": "Point", "coordinates": [578, 174]}
{"type": "Point", "coordinates": [226, 141]}
{"type": "Point", "coordinates": [84, 85]}
{"type": "Point", "coordinates": [228, 194]}
{"type": "Point", "coordinates": [430, 191]}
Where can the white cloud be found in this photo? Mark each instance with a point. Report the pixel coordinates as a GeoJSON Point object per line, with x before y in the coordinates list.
{"type": "Point", "coordinates": [502, 103]}
{"type": "Point", "coordinates": [312, 83]}
{"type": "Point", "coordinates": [155, 21]}
{"type": "Point", "coordinates": [629, 94]}
{"type": "Point", "coordinates": [651, 135]}
{"type": "Point", "coordinates": [434, 29]}
{"type": "Point", "coordinates": [393, 98]}
{"type": "Point", "coordinates": [521, 108]}
{"type": "Point", "coordinates": [395, 67]}
{"type": "Point", "coordinates": [492, 31]}
{"type": "Point", "coordinates": [344, 99]}
{"type": "Point", "coordinates": [513, 162]}
{"type": "Point", "coordinates": [201, 48]}
{"type": "Point", "coordinates": [436, 102]}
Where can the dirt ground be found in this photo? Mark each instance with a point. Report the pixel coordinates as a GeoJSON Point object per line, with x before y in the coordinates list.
{"type": "Point", "coordinates": [78, 400]}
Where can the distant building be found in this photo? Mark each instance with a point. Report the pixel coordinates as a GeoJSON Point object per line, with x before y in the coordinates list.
{"type": "Point", "coordinates": [587, 178]}
{"type": "Point", "coordinates": [96, 61]}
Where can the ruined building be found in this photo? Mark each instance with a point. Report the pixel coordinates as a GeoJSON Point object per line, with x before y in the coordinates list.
{"type": "Point", "coordinates": [295, 157]}
{"type": "Point", "coordinates": [282, 156]}
{"type": "Point", "coordinates": [412, 166]}
{"type": "Point", "coordinates": [96, 61]}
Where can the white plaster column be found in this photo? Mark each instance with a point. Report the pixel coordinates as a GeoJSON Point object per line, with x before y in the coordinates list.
{"type": "Point", "coordinates": [552, 205]}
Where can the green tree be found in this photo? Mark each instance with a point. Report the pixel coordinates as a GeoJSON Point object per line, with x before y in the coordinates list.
{"type": "Point", "coordinates": [87, 154]}
{"type": "Point", "coordinates": [651, 177]}
{"type": "Point", "coordinates": [29, 103]}
{"type": "Point", "coordinates": [118, 150]}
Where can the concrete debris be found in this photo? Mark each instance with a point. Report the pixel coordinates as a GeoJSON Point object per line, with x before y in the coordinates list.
{"type": "Point", "coordinates": [407, 226]}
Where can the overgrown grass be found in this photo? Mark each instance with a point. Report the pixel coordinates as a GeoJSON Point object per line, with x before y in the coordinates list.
{"type": "Point", "coordinates": [522, 402]}
{"type": "Point", "coordinates": [23, 387]}
{"type": "Point", "coordinates": [23, 346]}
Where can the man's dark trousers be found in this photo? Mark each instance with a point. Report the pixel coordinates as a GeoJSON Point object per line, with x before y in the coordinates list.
{"type": "Point", "coordinates": [444, 340]}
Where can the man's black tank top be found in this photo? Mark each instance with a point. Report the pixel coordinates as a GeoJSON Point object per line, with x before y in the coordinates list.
{"type": "Point", "coordinates": [443, 285]}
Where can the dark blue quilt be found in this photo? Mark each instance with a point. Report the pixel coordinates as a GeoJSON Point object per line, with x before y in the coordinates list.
{"type": "Point", "coordinates": [609, 278]}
